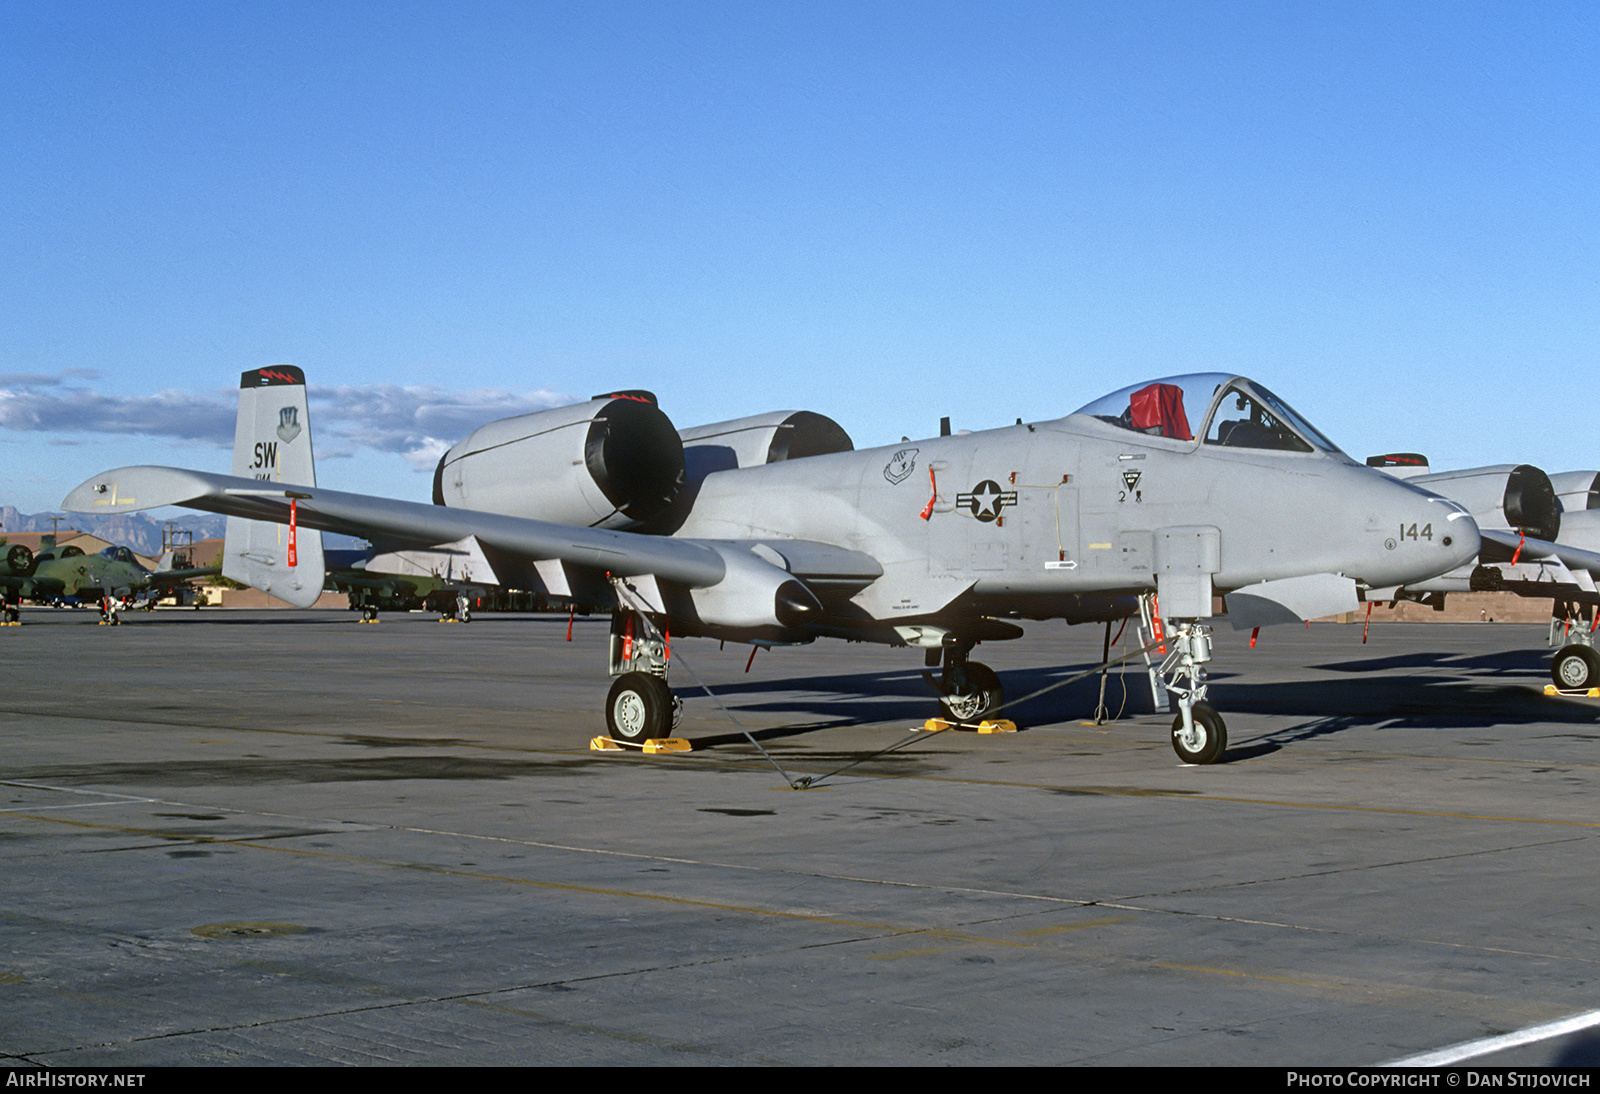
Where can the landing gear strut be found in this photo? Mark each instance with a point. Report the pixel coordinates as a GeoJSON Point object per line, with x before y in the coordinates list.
{"type": "Point", "coordinates": [641, 706]}
{"type": "Point", "coordinates": [1199, 735]}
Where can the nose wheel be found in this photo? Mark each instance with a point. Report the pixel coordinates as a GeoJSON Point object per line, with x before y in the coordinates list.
{"type": "Point", "coordinates": [1199, 735]}
{"type": "Point", "coordinates": [1204, 739]}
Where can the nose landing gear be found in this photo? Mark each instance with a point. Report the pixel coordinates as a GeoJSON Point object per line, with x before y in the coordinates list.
{"type": "Point", "coordinates": [1199, 735]}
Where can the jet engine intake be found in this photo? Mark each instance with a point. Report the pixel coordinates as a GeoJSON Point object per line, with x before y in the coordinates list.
{"type": "Point", "coordinates": [613, 462]}
{"type": "Point", "coordinates": [19, 561]}
{"type": "Point", "coordinates": [1578, 490]}
{"type": "Point", "coordinates": [1516, 496]}
{"type": "Point", "coordinates": [761, 439]}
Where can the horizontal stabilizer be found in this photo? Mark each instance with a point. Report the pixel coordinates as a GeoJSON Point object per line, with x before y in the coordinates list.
{"type": "Point", "coordinates": [285, 561]}
{"type": "Point", "coordinates": [1291, 600]}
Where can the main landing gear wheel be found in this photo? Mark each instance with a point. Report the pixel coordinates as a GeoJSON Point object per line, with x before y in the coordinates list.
{"type": "Point", "coordinates": [1575, 668]}
{"type": "Point", "coordinates": [972, 691]}
{"type": "Point", "coordinates": [1207, 742]}
{"type": "Point", "coordinates": [639, 707]}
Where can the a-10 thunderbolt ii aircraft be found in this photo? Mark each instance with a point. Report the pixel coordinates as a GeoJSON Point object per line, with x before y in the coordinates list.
{"type": "Point", "coordinates": [69, 571]}
{"type": "Point", "coordinates": [1541, 540]}
{"type": "Point", "coordinates": [773, 530]}
{"type": "Point", "coordinates": [441, 581]}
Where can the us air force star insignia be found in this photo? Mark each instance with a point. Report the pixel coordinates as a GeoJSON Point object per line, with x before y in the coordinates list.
{"type": "Point", "coordinates": [986, 500]}
{"type": "Point", "coordinates": [288, 423]}
{"type": "Point", "coordinates": [1130, 479]}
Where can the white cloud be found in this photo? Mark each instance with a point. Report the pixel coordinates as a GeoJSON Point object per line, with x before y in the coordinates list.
{"type": "Point", "coordinates": [416, 422]}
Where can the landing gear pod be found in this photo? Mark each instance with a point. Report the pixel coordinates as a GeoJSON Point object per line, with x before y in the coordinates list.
{"type": "Point", "coordinates": [613, 462]}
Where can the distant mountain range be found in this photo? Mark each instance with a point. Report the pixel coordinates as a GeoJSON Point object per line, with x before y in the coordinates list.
{"type": "Point", "coordinates": [135, 530]}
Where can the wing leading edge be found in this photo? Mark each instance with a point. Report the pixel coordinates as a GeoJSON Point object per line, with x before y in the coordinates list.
{"type": "Point", "coordinates": [734, 584]}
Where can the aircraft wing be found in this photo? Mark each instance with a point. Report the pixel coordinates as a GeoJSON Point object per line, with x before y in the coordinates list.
{"type": "Point", "coordinates": [127, 489]}
{"type": "Point", "coordinates": [165, 578]}
{"type": "Point", "coordinates": [1574, 558]}
{"type": "Point", "coordinates": [740, 581]}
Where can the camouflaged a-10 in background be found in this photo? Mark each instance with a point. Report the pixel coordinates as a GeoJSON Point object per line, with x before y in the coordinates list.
{"type": "Point", "coordinates": [112, 573]}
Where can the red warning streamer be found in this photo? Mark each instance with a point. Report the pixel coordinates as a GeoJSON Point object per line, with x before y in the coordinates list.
{"type": "Point", "coordinates": [927, 510]}
{"type": "Point", "coordinates": [293, 557]}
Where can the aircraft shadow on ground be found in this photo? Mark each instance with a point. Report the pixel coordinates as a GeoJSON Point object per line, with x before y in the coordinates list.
{"type": "Point", "coordinates": [1440, 691]}
{"type": "Point", "coordinates": [901, 696]}
{"type": "Point", "coordinates": [1514, 662]}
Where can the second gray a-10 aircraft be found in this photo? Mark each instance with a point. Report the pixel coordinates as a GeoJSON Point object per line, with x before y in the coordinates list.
{"type": "Point", "coordinates": [774, 530]}
{"type": "Point", "coordinates": [1541, 540]}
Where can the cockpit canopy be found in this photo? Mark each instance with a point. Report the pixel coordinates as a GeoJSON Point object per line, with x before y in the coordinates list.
{"type": "Point", "coordinates": [1224, 410]}
{"type": "Point", "coordinates": [117, 553]}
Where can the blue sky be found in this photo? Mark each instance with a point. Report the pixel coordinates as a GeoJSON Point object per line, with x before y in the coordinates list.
{"type": "Point", "coordinates": [1390, 213]}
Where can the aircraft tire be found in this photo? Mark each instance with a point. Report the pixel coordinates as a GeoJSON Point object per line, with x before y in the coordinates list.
{"type": "Point", "coordinates": [1209, 740]}
{"type": "Point", "coordinates": [983, 695]}
{"type": "Point", "coordinates": [1575, 667]}
{"type": "Point", "coordinates": [639, 707]}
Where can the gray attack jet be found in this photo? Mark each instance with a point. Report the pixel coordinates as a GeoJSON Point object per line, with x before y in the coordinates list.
{"type": "Point", "coordinates": [774, 530]}
{"type": "Point", "coordinates": [1541, 540]}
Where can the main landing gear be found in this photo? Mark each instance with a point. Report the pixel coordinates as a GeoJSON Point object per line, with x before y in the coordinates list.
{"type": "Point", "coordinates": [640, 706]}
{"type": "Point", "coordinates": [968, 690]}
{"type": "Point", "coordinates": [1199, 735]}
{"type": "Point", "coordinates": [1576, 665]}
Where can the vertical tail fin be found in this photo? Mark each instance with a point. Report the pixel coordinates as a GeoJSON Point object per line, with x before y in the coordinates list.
{"type": "Point", "coordinates": [272, 442]}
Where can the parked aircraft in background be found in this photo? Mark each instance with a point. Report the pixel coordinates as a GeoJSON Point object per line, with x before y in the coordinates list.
{"type": "Point", "coordinates": [440, 580]}
{"type": "Point", "coordinates": [69, 572]}
{"type": "Point", "coordinates": [773, 529]}
{"type": "Point", "coordinates": [1541, 539]}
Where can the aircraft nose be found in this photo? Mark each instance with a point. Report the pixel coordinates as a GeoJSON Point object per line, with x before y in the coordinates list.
{"type": "Point", "coordinates": [1420, 535]}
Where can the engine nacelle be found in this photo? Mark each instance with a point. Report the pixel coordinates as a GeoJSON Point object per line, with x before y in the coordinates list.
{"type": "Point", "coordinates": [1515, 496]}
{"type": "Point", "coordinates": [1577, 490]}
{"type": "Point", "coordinates": [613, 462]}
{"type": "Point", "coordinates": [760, 439]}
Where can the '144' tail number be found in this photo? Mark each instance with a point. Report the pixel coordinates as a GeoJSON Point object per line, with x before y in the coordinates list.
{"type": "Point", "coordinates": [1409, 531]}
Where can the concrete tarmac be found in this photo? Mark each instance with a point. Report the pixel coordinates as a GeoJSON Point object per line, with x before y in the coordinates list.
{"type": "Point", "coordinates": [289, 838]}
